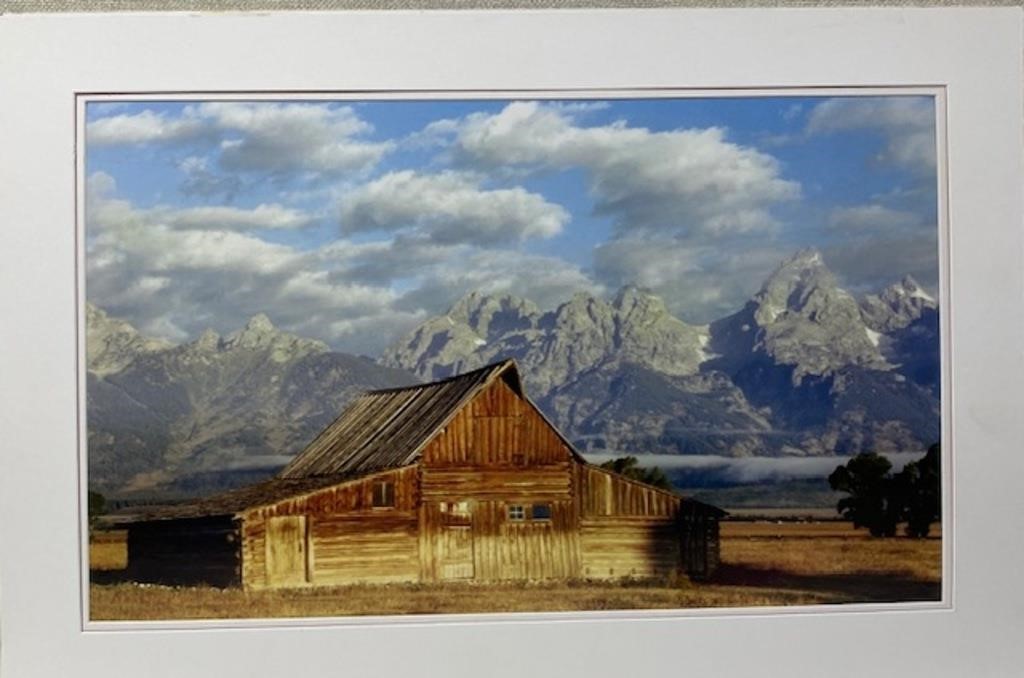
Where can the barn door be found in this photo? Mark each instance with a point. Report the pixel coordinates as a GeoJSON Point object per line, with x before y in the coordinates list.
{"type": "Point", "coordinates": [287, 551]}
{"type": "Point", "coordinates": [456, 552]}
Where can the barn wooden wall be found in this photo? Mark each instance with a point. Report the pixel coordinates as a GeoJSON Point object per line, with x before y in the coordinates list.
{"type": "Point", "coordinates": [497, 452]}
{"type": "Point", "coordinates": [481, 458]}
{"type": "Point", "coordinates": [603, 493]}
{"type": "Point", "coordinates": [501, 549]}
{"type": "Point", "coordinates": [347, 540]}
{"type": "Point", "coordinates": [629, 547]}
{"type": "Point", "coordinates": [496, 428]}
{"type": "Point", "coordinates": [626, 528]}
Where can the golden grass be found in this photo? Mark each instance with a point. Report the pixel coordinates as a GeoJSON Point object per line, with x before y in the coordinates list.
{"type": "Point", "coordinates": [831, 559]}
{"type": "Point", "coordinates": [108, 551]}
{"type": "Point", "coordinates": [763, 564]}
{"type": "Point", "coordinates": [781, 529]}
{"type": "Point", "coordinates": [138, 602]}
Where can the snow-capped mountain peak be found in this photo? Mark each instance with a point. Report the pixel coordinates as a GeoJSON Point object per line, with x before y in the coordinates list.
{"type": "Point", "coordinates": [897, 306]}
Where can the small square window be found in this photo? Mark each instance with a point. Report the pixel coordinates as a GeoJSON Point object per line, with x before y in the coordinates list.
{"type": "Point", "coordinates": [383, 494]}
{"type": "Point", "coordinates": [517, 512]}
{"type": "Point", "coordinates": [541, 512]}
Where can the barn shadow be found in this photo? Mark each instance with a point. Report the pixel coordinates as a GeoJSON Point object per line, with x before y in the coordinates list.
{"type": "Point", "coordinates": [867, 587]}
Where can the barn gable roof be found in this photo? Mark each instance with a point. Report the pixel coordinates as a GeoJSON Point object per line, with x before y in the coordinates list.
{"type": "Point", "coordinates": [388, 428]}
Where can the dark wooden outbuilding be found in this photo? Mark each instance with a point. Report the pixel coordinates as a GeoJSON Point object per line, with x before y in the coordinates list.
{"type": "Point", "coordinates": [460, 479]}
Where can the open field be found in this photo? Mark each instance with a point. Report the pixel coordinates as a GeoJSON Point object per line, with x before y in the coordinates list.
{"type": "Point", "coordinates": [763, 563]}
{"type": "Point", "coordinates": [108, 551]}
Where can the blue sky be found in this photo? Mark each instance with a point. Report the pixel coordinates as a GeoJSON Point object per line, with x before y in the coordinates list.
{"type": "Point", "coordinates": [353, 221]}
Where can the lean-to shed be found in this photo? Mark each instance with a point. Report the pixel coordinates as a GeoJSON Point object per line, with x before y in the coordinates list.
{"type": "Point", "coordinates": [460, 479]}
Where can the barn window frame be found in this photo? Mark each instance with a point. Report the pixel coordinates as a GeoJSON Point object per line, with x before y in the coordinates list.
{"type": "Point", "coordinates": [544, 509]}
{"type": "Point", "coordinates": [456, 508]}
{"type": "Point", "coordinates": [383, 494]}
{"type": "Point", "coordinates": [516, 513]}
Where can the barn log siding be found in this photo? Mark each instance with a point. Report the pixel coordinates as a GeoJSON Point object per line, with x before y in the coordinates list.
{"type": "Point", "coordinates": [605, 493]}
{"type": "Point", "coordinates": [346, 538]}
{"type": "Point", "coordinates": [462, 479]}
{"type": "Point", "coordinates": [489, 546]}
{"type": "Point", "coordinates": [627, 529]}
{"type": "Point", "coordinates": [497, 428]}
{"type": "Point", "coordinates": [629, 547]}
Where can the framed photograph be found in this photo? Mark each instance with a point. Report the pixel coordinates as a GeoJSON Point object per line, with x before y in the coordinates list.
{"type": "Point", "coordinates": [328, 332]}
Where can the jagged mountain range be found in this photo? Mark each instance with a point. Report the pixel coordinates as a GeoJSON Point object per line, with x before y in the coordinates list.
{"type": "Point", "coordinates": [211, 413]}
{"type": "Point", "coordinates": [803, 368]}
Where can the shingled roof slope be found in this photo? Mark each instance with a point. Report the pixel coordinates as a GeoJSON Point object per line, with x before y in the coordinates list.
{"type": "Point", "coordinates": [388, 428]}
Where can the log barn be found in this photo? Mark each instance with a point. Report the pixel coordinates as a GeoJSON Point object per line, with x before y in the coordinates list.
{"type": "Point", "coordinates": [460, 479]}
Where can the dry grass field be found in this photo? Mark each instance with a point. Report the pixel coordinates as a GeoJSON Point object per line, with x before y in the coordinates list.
{"type": "Point", "coordinates": [763, 563]}
{"type": "Point", "coordinates": [107, 551]}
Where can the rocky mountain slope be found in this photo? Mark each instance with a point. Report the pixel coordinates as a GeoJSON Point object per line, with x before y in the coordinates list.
{"type": "Point", "coordinates": [556, 347]}
{"type": "Point", "coordinates": [213, 412]}
{"type": "Point", "coordinates": [897, 306]}
{"type": "Point", "coordinates": [800, 318]}
{"type": "Point", "coordinates": [110, 344]}
{"type": "Point", "coordinates": [908, 319]}
{"type": "Point", "coordinates": [802, 368]}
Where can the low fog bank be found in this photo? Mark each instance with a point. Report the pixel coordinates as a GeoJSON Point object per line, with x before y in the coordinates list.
{"type": "Point", "coordinates": [251, 462]}
{"type": "Point", "coordinates": [715, 471]}
{"type": "Point", "coordinates": [684, 470]}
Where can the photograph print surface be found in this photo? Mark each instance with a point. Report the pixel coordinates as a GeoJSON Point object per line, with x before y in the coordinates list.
{"type": "Point", "coordinates": [389, 357]}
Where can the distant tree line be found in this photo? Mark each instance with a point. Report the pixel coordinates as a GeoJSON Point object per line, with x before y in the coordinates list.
{"type": "Point", "coordinates": [97, 505]}
{"type": "Point", "coordinates": [629, 467]}
{"type": "Point", "coordinates": [880, 500]}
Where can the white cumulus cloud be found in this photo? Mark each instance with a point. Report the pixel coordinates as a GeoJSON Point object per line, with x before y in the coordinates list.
{"type": "Point", "coordinates": [144, 127]}
{"type": "Point", "coordinates": [284, 137]}
{"type": "Point", "coordinates": [878, 244]}
{"type": "Point", "coordinates": [269, 137]}
{"type": "Point", "coordinates": [545, 280]}
{"type": "Point", "coordinates": [687, 182]}
{"type": "Point", "coordinates": [271, 216]}
{"type": "Point", "coordinates": [200, 180]}
{"type": "Point", "coordinates": [174, 272]}
{"type": "Point", "coordinates": [683, 202]}
{"type": "Point", "coordinates": [698, 283]}
{"type": "Point", "coordinates": [871, 218]}
{"type": "Point", "coordinates": [906, 123]}
{"type": "Point", "coordinates": [104, 209]}
{"type": "Point", "coordinates": [450, 208]}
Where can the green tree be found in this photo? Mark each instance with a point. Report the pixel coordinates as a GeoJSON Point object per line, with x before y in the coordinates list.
{"type": "Point", "coordinates": [97, 505]}
{"type": "Point", "coordinates": [870, 500]}
{"type": "Point", "coordinates": [920, 487]}
{"type": "Point", "coordinates": [878, 500]}
{"type": "Point", "coordinates": [629, 467]}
